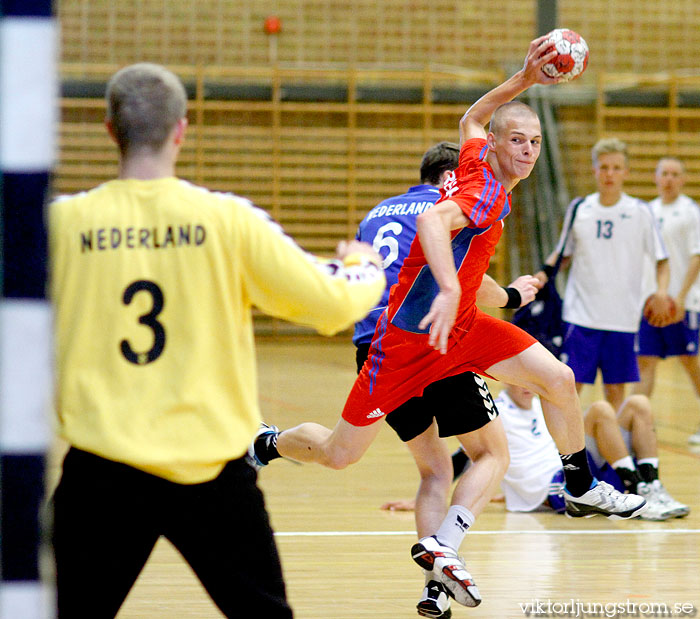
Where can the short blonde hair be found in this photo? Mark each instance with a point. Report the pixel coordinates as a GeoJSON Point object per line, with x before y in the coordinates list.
{"type": "Point", "coordinates": [503, 112]}
{"type": "Point", "coordinates": [670, 158]}
{"type": "Point", "coordinates": [608, 145]}
{"type": "Point", "coordinates": [144, 103]}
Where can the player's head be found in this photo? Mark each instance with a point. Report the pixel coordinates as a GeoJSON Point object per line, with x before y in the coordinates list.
{"type": "Point", "coordinates": [512, 111]}
{"type": "Point", "coordinates": [610, 165]}
{"type": "Point", "coordinates": [145, 103]}
{"type": "Point", "coordinates": [437, 160]}
{"type": "Point", "coordinates": [609, 146]}
{"type": "Point", "coordinates": [515, 139]}
{"type": "Point", "coordinates": [670, 178]}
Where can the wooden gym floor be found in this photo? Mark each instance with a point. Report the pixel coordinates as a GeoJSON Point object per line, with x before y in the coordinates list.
{"type": "Point", "coordinates": [344, 558]}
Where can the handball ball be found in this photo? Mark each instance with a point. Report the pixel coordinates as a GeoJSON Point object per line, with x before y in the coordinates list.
{"type": "Point", "coordinates": [572, 58]}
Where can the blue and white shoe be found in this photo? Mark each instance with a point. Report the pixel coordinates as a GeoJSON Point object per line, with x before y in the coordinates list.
{"type": "Point", "coordinates": [604, 500]}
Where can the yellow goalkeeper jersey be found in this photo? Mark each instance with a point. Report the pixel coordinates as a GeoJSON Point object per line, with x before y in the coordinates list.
{"type": "Point", "coordinates": [153, 283]}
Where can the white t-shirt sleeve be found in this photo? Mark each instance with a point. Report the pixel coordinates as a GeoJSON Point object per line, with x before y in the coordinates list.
{"type": "Point", "coordinates": [570, 243]}
{"type": "Point", "coordinates": [692, 248]}
{"type": "Point", "coordinates": [694, 229]}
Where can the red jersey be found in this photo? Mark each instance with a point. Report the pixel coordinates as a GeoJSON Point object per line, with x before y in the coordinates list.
{"type": "Point", "coordinates": [401, 364]}
{"type": "Point", "coordinates": [485, 203]}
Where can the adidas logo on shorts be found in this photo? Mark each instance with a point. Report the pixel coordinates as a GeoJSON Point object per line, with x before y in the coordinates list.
{"type": "Point", "coordinates": [377, 412]}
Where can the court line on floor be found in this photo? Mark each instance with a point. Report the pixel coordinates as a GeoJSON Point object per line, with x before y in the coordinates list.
{"type": "Point", "coordinates": [681, 451]}
{"type": "Point", "coordinates": [499, 532]}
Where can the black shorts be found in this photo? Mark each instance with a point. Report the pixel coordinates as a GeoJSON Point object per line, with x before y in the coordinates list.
{"type": "Point", "coordinates": [459, 404]}
{"type": "Point", "coordinates": [108, 517]}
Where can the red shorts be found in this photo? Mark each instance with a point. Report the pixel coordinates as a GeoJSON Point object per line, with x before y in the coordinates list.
{"type": "Point", "coordinates": [402, 364]}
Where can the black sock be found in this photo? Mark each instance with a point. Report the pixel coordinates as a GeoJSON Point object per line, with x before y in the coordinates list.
{"type": "Point", "coordinates": [459, 463]}
{"type": "Point", "coordinates": [629, 478]}
{"type": "Point", "coordinates": [648, 472]}
{"type": "Point", "coordinates": [266, 447]}
{"type": "Point", "coordinates": [577, 472]}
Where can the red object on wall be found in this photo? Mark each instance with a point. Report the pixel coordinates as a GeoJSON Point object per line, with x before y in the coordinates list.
{"type": "Point", "coordinates": [272, 24]}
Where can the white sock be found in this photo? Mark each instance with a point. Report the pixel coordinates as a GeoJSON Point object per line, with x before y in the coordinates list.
{"type": "Point", "coordinates": [625, 463]}
{"type": "Point", "coordinates": [454, 526]}
{"type": "Point", "coordinates": [653, 461]}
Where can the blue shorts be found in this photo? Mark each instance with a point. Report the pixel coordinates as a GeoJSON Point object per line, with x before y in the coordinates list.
{"type": "Point", "coordinates": [555, 496]}
{"type": "Point", "coordinates": [680, 338]}
{"type": "Point", "coordinates": [585, 350]}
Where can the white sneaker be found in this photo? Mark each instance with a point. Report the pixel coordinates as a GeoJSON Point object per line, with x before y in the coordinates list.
{"type": "Point", "coordinates": [694, 439]}
{"type": "Point", "coordinates": [435, 601]}
{"type": "Point", "coordinates": [448, 568]}
{"type": "Point", "coordinates": [605, 500]}
{"type": "Point", "coordinates": [675, 509]}
{"type": "Point", "coordinates": [657, 510]}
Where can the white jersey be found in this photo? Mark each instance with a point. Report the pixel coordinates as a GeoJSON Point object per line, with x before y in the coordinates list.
{"type": "Point", "coordinates": [534, 458]}
{"type": "Point", "coordinates": [608, 245]}
{"type": "Point", "coordinates": [679, 223]}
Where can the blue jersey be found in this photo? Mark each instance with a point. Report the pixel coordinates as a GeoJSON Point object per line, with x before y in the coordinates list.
{"type": "Point", "coordinates": [390, 228]}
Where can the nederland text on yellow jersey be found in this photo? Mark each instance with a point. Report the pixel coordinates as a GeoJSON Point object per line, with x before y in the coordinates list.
{"type": "Point", "coordinates": [153, 284]}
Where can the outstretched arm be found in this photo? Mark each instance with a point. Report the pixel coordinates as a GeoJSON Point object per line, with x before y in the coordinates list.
{"type": "Point", "coordinates": [551, 260]}
{"type": "Point", "coordinates": [476, 117]}
{"type": "Point", "coordinates": [491, 294]}
{"type": "Point", "coordinates": [286, 282]}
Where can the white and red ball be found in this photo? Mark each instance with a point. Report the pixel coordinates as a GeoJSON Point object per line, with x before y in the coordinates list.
{"type": "Point", "coordinates": [572, 57]}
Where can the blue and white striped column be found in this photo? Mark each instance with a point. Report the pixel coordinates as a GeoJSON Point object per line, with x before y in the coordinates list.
{"type": "Point", "coordinates": [28, 95]}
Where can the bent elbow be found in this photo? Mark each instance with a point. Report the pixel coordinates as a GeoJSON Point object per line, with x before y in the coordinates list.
{"type": "Point", "coordinates": [464, 124]}
{"type": "Point", "coordinates": [423, 220]}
